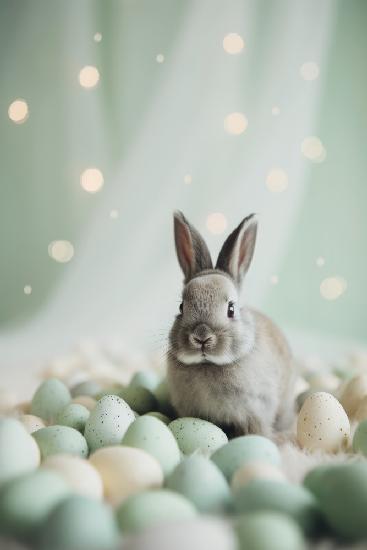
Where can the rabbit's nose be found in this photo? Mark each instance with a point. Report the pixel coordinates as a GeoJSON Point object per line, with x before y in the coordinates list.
{"type": "Point", "coordinates": [201, 342]}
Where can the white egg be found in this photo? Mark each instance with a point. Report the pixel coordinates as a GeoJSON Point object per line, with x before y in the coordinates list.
{"type": "Point", "coordinates": [125, 471]}
{"type": "Point", "coordinates": [19, 451]}
{"type": "Point", "coordinates": [79, 473]}
{"type": "Point", "coordinates": [353, 393]}
{"type": "Point", "coordinates": [255, 470]}
{"type": "Point", "coordinates": [32, 423]}
{"type": "Point", "coordinates": [323, 423]}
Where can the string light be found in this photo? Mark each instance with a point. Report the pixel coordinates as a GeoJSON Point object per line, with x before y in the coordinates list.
{"type": "Point", "coordinates": [160, 58]}
{"type": "Point", "coordinates": [188, 179]}
{"type": "Point", "coordinates": [233, 43]}
{"type": "Point", "coordinates": [216, 223]}
{"type": "Point", "coordinates": [235, 123]}
{"type": "Point", "coordinates": [332, 288]}
{"type": "Point", "coordinates": [277, 180]}
{"type": "Point", "coordinates": [61, 251]}
{"type": "Point", "coordinates": [89, 76]}
{"type": "Point", "coordinates": [27, 290]}
{"type": "Point", "coordinates": [18, 111]}
{"type": "Point", "coordinates": [309, 71]}
{"type": "Point", "coordinates": [91, 180]}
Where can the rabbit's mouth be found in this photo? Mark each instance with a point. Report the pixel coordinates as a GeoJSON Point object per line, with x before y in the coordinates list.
{"type": "Point", "coordinates": [203, 358]}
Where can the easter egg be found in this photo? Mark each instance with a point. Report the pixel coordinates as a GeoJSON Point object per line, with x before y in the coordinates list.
{"type": "Point", "coordinates": [125, 471]}
{"type": "Point", "coordinates": [50, 398]}
{"type": "Point", "coordinates": [194, 434]}
{"type": "Point", "coordinates": [275, 496]}
{"type": "Point", "coordinates": [327, 382]}
{"type": "Point", "coordinates": [200, 481]}
{"type": "Point", "coordinates": [89, 388]}
{"type": "Point", "coordinates": [19, 452]}
{"type": "Point", "coordinates": [360, 438]}
{"type": "Point", "coordinates": [108, 422]}
{"type": "Point", "coordinates": [154, 437]}
{"type": "Point", "coordinates": [361, 412]}
{"type": "Point", "coordinates": [79, 473]}
{"type": "Point", "coordinates": [147, 379]}
{"type": "Point", "coordinates": [322, 423]}
{"type": "Point", "coordinates": [26, 501]}
{"type": "Point", "coordinates": [244, 449]}
{"type": "Point", "coordinates": [160, 416]}
{"type": "Point", "coordinates": [255, 470]}
{"type": "Point", "coordinates": [139, 399]}
{"type": "Point", "coordinates": [353, 393]}
{"type": "Point", "coordinates": [151, 508]}
{"type": "Point", "coordinates": [60, 440]}
{"type": "Point", "coordinates": [163, 398]}
{"type": "Point", "coordinates": [31, 423]}
{"type": "Point", "coordinates": [269, 530]}
{"type": "Point", "coordinates": [80, 523]}
{"type": "Point", "coordinates": [87, 402]}
{"type": "Point", "coordinates": [73, 415]}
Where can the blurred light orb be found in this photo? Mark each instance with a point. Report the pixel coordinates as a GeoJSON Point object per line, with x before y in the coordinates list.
{"type": "Point", "coordinates": [188, 179]}
{"type": "Point", "coordinates": [216, 223]}
{"type": "Point", "coordinates": [89, 76]}
{"type": "Point", "coordinates": [320, 261]}
{"type": "Point", "coordinates": [274, 280]}
{"type": "Point", "coordinates": [61, 251]}
{"type": "Point", "coordinates": [277, 180]}
{"type": "Point", "coordinates": [91, 180]}
{"type": "Point", "coordinates": [235, 123]}
{"type": "Point", "coordinates": [332, 288]}
{"type": "Point", "coordinates": [309, 70]}
{"type": "Point", "coordinates": [160, 58]}
{"type": "Point", "coordinates": [27, 290]}
{"type": "Point", "coordinates": [114, 214]}
{"type": "Point", "coordinates": [97, 37]}
{"type": "Point", "coordinates": [18, 111]}
{"type": "Point", "coordinates": [233, 43]}
{"type": "Point", "coordinates": [275, 110]}
{"type": "Point", "coordinates": [313, 149]}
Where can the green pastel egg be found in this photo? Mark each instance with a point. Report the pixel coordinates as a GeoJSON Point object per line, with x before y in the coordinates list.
{"type": "Point", "coordinates": [145, 379]}
{"type": "Point", "coordinates": [276, 496]}
{"type": "Point", "coordinates": [162, 417]}
{"type": "Point", "coordinates": [201, 482]}
{"type": "Point", "coordinates": [152, 435]}
{"type": "Point", "coordinates": [80, 523]}
{"type": "Point", "coordinates": [244, 449]}
{"type": "Point", "coordinates": [60, 440]}
{"type": "Point", "coordinates": [163, 398]}
{"type": "Point", "coordinates": [268, 530]}
{"type": "Point", "coordinates": [139, 399]}
{"type": "Point", "coordinates": [313, 479]}
{"type": "Point", "coordinates": [108, 422]}
{"type": "Point", "coordinates": [360, 438]}
{"type": "Point", "coordinates": [73, 415]}
{"type": "Point", "coordinates": [89, 387]}
{"type": "Point", "coordinates": [19, 452]}
{"type": "Point", "coordinates": [341, 491]}
{"type": "Point", "coordinates": [194, 434]}
{"type": "Point", "coordinates": [50, 398]}
{"type": "Point", "coordinates": [151, 508]}
{"type": "Point", "coordinates": [26, 501]}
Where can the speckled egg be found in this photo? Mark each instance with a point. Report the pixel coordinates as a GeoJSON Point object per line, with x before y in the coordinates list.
{"type": "Point", "coordinates": [50, 398]}
{"type": "Point", "coordinates": [269, 530]}
{"type": "Point", "coordinates": [151, 508]}
{"type": "Point", "coordinates": [323, 423]}
{"type": "Point", "coordinates": [145, 379]}
{"type": "Point", "coordinates": [108, 422]}
{"type": "Point", "coordinates": [60, 440]}
{"type": "Point", "coordinates": [255, 470]}
{"type": "Point", "coordinates": [139, 399]}
{"type": "Point", "coordinates": [73, 415]}
{"type": "Point", "coordinates": [26, 501]}
{"type": "Point", "coordinates": [80, 523]}
{"type": "Point", "coordinates": [125, 471]}
{"type": "Point", "coordinates": [275, 496]}
{"type": "Point", "coordinates": [154, 437]}
{"type": "Point", "coordinates": [244, 449]}
{"type": "Point", "coordinates": [353, 393]}
{"type": "Point", "coordinates": [19, 452]}
{"type": "Point", "coordinates": [87, 402]}
{"type": "Point", "coordinates": [194, 434]}
{"type": "Point", "coordinates": [162, 417]}
{"type": "Point", "coordinates": [31, 423]}
{"type": "Point", "coordinates": [201, 482]}
{"type": "Point", "coordinates": [79, 473]}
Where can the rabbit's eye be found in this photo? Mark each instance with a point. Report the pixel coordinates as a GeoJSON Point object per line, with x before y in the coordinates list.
{"type": "Point", "coordinates": [181, 307]}
{"type": "Point", "coordinates": [230, 310]}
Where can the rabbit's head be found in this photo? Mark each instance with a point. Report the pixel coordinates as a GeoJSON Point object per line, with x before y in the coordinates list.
{"type": "Point", "coordinates": [210, 326]}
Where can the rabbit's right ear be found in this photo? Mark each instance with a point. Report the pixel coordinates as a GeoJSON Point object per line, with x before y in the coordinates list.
{"type": "Point", "coordinates": [192, 253]}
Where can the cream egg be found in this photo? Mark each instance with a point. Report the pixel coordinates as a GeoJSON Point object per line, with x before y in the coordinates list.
{"type": "Point", "coordinates": [32, 423]}
{"type": "Point", "coordinates": [353, 393]}
{"type": "Point", "coordinates": [255, 470]}
{"type": "Point", "coordinates": [80, 474]}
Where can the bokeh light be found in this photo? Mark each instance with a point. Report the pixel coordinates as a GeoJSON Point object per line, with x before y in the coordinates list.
{"type": "Point", "coordinates": [277, 180]}
{"type": "Point", "coordinates": [61, 251]}
{"type": "Point", "coordinates": [233, 43]}
{"type": "Point", "coordinates": [97, 37]}
{"type": "Point", "coordinates": [274, 280]}
{"type": "Point", "coordinates": [332, 288]}
{"type": "Point", "coordinates": [275, 110]}
{"type": "Point", "coordinates": [18, 111]}
{"type": "Point", "coordinates": [235, 123]}
{"type": "Point", "coordinates": [188, 179]}
{"type": "Point", "coordinates": [89, 76]}
{"type": "Point", "coordinates": [114, 214]}
{"type": "Point", "coordinates": [313, 149]}
{"type": "Point", "coordinates": [27, 290]}
{"type": "Point", "coordinates": [216, 223]}
{"type": "Point", "coordinates": [160, 58]}
{"type": "Point", "coordinates": [91, 180]}
{"type": "Point", "coordinates": [320, 261]}
{"type": "Point", "coordinates": [309, 70]}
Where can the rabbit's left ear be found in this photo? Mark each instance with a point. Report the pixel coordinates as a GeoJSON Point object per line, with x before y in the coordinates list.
{"type": "Point", "coordinates": [237, 251]}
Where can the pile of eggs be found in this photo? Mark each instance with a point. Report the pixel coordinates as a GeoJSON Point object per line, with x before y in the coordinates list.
{"type": "Point", "coordinates": [95, 467]}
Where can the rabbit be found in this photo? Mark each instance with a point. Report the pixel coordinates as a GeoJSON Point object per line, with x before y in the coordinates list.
{"type": "Point", "coordinates": [227, 364]}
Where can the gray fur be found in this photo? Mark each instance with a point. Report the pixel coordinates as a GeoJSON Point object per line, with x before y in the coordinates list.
{"type": "Point", "coordinates": [236, 372]}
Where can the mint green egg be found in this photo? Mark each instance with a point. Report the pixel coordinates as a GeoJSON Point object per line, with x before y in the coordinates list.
{"type": "Point", "coordinates": [88, 387]}
{"type": "Point", "coordinates": [26, 501]}
{"type": "Point", "coordinates": [60, 440]}
{"type": "Point", "coordinates": [269, 530]}
{"type": "Point", "coordinates": [108, 422]}
{"type": "Point", "coordinates": [244, 449]}
{"type": "Point", "coordinates": [152, 435]}
{"type": "Point", "coordinates": [162, 417]}
{"type": "Point", "coordinates": [80, 523]}
{"type": "Point", "coordinates": [360, 438]}
{"type": "Point", "coordinates": [313, 478]}
{"type": "Point", "coordinates": [147, 379]}
{"type": "Point", "coordinates": [73, 415]}
{"type": "Point", "coordinates": [18, 450]}
{"type": "Point", "coordinates": [151, 508]}
{"type": "Point", "coordinates": [50, 398]}
{"type": "Point", "coordinates": [194, 434]}
{"type": "Point", "coordinates": [163, 398]}
{"type": "Point", "coordinates": [200, 481]}
{"type": "Point", "coordinates": [139, 399]}
{"type": "Point", "coordinates": [294, 501]}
